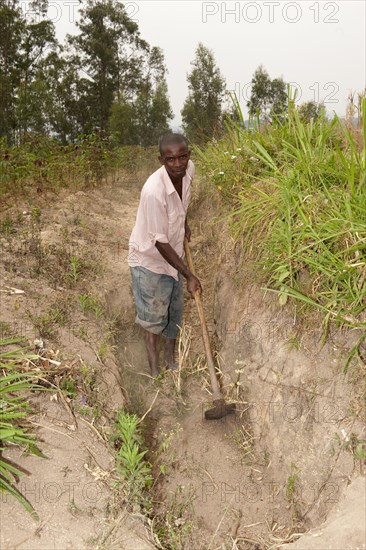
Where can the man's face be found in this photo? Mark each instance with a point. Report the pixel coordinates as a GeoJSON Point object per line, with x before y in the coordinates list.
{"type": "Point", "coordinates": [175, 158]}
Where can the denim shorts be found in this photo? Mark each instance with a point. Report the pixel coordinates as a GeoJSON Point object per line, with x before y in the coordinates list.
{"type": "Point", "coordinates": [158, 300]}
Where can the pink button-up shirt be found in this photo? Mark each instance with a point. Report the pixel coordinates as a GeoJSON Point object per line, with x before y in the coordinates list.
{"type": "Point", "coordinates": [160, 217]}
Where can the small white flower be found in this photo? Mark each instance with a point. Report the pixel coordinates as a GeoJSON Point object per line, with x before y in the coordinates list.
{"type": "Point", "coordinates": [239, 149]}
{"type": "Point", "coordinates": [233, 157]}
{"type": "Point", "coordinates": [39, 344]}
{"type": "Point", "coordinates": [226, 152]}
{"type": "Point", "coordinates": [221, 173]}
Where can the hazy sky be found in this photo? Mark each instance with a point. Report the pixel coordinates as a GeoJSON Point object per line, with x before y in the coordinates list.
{"type": "Point", "coordinates": [317, 45]}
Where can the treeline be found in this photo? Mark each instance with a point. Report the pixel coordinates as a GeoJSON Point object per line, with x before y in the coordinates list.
{"type": "Point", "coordinates": [106, 78]}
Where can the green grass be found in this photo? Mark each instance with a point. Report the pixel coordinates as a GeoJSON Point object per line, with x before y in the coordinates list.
{"type": "Point", "coordinates": [130, 459]}
{"type": "Point", "coordinates": [46, 324]}
{"type": "Point", "coordinates": [14, 409]}
{"type": "Point", "coordinates": [294, 194]}
{"type": "Point", "coordinates": [89, 303]}
{"type": "Point", "coordinates": [42, 163]}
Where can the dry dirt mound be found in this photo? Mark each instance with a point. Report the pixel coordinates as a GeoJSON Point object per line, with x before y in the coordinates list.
{"type": "Point", "coordinates": [339, 530]}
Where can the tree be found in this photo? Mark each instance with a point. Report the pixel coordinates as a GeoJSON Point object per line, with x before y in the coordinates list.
{"type": "Point", "coordinates": [22, 47]}
{"type": "Point", "coordinates": [122, 123]}
{"type": "Point", "coordinates": [12, 28]}
{"type": "Point", "coordinates": [110, 53]}
{"type": "Point", "coordinates": [66, 91]}
{"type": "Point", "coordinates": [152, 106]}
{"type": "Point", "coordinates": [37, 38]}
{"type": "Point", "coordinates": [160, 112]}
{"type": "Point", "coordinates": [143, 118]}
{"type": "Point", "coordinates": [310, 110]}
{"type": "Point", "coordinates": [202, 110]}
{"type": "Point", "coordinates": [268, 97]}
{"type": "Point", "coordinates": [66, 105]}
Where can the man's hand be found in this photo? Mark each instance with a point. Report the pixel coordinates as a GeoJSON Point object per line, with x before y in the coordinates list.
{"type": "Point", "coordinates": [193, 285]}
{"type": "Point", "coordinates": [170, 255]}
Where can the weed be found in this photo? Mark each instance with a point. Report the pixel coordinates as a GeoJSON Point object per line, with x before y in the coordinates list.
{"type": "Point", "coordinates": [242, 438]}
{"type": "Point", "coordinates": [36, 214]}
{"type": "Point", "coordinates": [75, 269]}
{"type": "Point", "coordinates": [5, 329]}
{"type": "Point", "coordinates": [293, 491]}
{"type": "Point", "coordinates": [82, 333]}
{"type": "Point", "coordinates": [89, 375]}
{"type": "Point", "coordinates": [106, 346]}
{"type": "Point", "coordinates": [78, 220]}
{"type": "Point", "coordinates": [47, 323]}
{"type": "Point", "coordinates": [69, 386]}
{"type": "Point", "coordinates": [293, 342]}
{"type": "Point", "coordinates": [78, 267]}
{"type": "Point", "coordinates": [74, 509]}
{"type": "Point", "coordinates": [130, 462]}
{"type": "Point", "coordinates": [103, 350]}
{"type": "Point", "coordinates": [66, 470]}
{"type": "Point", "coordinates": [291, 485]}
{"type": "Point", "coordinates": [14, 411]}
{"type": "Point", "coordinates": [360, 451]}
{"type": "Point", "coordinates": [266, 458]}
{"type": "Point", "coordinates": [89, 303]}
{"type": "Point", "coordinates": [7, 226]}
{"type": "Point", "coordinates": [357, 447]}
{"type": "Point", "coordinates": [173, 528]}
{"type": "Point", "coordinates": [163, 449]}
{"type": "Point", "coordinates": [62, 166]}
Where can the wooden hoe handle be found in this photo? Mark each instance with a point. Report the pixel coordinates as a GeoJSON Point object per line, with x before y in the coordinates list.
{"type": "Point", "coordinates": [216, 392]}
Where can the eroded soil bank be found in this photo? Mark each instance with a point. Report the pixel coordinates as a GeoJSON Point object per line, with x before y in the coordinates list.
{"type": "Point", "coordinates": [283, 464]}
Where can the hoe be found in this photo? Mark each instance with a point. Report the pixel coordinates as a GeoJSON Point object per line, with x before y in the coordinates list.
{"type": "Point", "coordinates": [220, 408]}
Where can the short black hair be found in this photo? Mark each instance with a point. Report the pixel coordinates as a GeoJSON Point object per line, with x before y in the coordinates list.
{"type": "Point", "coordinates": [171, 139]}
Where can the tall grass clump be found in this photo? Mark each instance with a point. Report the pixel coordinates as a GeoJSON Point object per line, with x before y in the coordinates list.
{"type": "Point", "coordinates": [131, 464]}
{"type": "Point", "coordinates": [296, 194]}
{"type": "Point", "coordinates": [14, 410]}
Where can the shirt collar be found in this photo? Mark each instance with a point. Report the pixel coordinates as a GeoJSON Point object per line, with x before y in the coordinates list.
{"type": "Point", "coordinates": [167, 181]}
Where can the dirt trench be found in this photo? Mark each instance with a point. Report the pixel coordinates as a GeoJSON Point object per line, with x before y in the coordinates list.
{"type": "Point", "coordinates": [255, 480]}
{"type": "Point", "coordinates": [262, 477]}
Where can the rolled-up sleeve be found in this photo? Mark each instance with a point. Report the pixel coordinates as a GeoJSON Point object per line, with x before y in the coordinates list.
{"type": "Point", "coordinates": [156, 219]}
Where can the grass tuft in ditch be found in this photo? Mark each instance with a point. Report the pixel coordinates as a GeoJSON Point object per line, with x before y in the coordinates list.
{"type": "Point", "coordinates": [131, 464]}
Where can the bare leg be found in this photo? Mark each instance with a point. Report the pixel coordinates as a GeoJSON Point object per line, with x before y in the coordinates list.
{"type": "Point", "coordinates": [152, 348]}
{"type": "Point", "coordinates": [169, 353]}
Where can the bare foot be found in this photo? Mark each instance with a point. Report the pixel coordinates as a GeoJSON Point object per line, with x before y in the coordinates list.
{"type": "Point", "coordinates": [155, 372]}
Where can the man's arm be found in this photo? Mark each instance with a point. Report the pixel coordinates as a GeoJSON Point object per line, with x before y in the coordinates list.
{"type": "Point", "coordinates": [187, 230]}
{"type": "Point", "coordinates": [170, 255]}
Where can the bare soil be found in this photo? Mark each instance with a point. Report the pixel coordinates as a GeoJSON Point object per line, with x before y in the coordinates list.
{"type": "Point", "coordinates": [283, 464]}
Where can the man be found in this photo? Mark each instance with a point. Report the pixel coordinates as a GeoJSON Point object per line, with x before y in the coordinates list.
{"type": "Point", "coordinates": [156, 250]}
